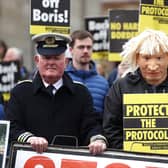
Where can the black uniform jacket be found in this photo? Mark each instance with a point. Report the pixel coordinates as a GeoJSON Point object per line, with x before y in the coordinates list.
{"type": "Point", "coordinates": [113, 113]}
{"type": "Point", "coordinates": [68, 112]}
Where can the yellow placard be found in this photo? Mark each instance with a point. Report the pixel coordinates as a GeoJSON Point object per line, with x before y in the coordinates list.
{"type": "Point", "coordinates": [114, 57]}
{"type": "Point", "coordinates": [146, 122]}
{"type": "Point", "coordinates": [36, 29]}
{"type": "Point", "coordinates": [100, 55]}
{"type": "Point", "coordinates": [153, 16]}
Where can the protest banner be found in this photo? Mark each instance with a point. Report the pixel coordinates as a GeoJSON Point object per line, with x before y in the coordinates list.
{"type": "Point", "coordinates": [98, 27]}
{"type": "Point", "coordinates": [154, 15]}
{"type": "Point", "coordinates": [9, 76]}
{"type": "Point", "coordinates": [123, 25]}
{"type": "Point", "coordinates": [50, 16]}
{"type": "Point", "coordinates": [22, 156]}
{"type": "Point", "coordinates": [4, 136]}
{"type": "Point", "coordinates": [146, 122]}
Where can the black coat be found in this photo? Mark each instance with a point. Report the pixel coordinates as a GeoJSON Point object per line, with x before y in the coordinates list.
{"type": "Point", "coordinates": [69, 112]}
{"type": "Point", "coordinates": [113, 113]}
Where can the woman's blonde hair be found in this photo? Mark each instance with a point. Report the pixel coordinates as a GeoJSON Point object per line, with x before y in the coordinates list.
{"type": "Point", "coordinates": [149, 42]}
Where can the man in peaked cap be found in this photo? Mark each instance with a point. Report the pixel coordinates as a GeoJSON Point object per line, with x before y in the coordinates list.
{"type": "Point", "coordinates": [51, 43]}
{"type": "Point", "coordinates": [38, 115]}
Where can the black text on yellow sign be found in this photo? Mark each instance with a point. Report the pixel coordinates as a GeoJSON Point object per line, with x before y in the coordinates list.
{"type": "Point", "coordinates": [154, 15]}
{"type": "Point", "coordinates": [146, 122]}
{"type": "Point", "coordinates": [149, 110]}
{"type": "Point", "coordinates": [154, 10]}
{"type": "Point", "coordinates": [123, 25]}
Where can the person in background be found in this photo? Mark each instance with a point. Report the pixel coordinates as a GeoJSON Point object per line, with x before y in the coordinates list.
{"type": "Point", "coordinates": [100, 69]}
{"type": "Point", "coordinates": [83, 69]}
{"type": "Point", "coordinates": [16, 54]}
{"type": "Point", "coordinates": [122, 69]}
{"type": "Point", "coordinates": [68, 56]}
{"type": "Point", "coordinates": [113, 74]}
{"type": "Point", "coordinates": [3, 49]}
{"type": "Point", "coordinates": [147, 55]}
{"type": "Point", "coordinates": [52, 105]}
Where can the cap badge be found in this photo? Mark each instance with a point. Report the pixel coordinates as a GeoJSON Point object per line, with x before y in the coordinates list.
{"type": "Point", "coordinates": [50, 40]}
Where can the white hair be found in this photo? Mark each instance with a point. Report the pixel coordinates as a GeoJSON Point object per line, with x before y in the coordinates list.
{"type": "Point", "coordinates": [14, 54]}
{"type": "Point", "coordinates": [17, 52]}
{"type": "Point", "coordinates": [68, 53]}
{"type": "Point", "coordinates": [149, 42]}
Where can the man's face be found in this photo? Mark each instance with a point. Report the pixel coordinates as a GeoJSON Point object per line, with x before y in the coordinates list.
{"type": "Point", "coordinates": [153, 68]}
{"type": "Point", "coordinates": [51, 68]}
{"type": "Point", "coordinates": [82, 51]}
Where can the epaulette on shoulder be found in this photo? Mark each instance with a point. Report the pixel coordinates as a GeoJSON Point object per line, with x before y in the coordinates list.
{"type": "Point", "coordinates": [23, 81]}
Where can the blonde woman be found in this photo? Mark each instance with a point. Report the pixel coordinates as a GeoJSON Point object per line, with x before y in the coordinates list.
{"type": "Point", "coordinates": [147, 56]}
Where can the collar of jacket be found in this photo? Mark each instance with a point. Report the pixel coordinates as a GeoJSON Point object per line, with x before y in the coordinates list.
{"type": "Point", "coordinates": [67, 83]}
{"type": "Point", "coordinates": [82, 73]}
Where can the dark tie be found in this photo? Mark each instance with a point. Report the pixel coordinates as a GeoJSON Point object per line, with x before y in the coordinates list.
{"type": "Point", "coordinates": [50, 89]}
